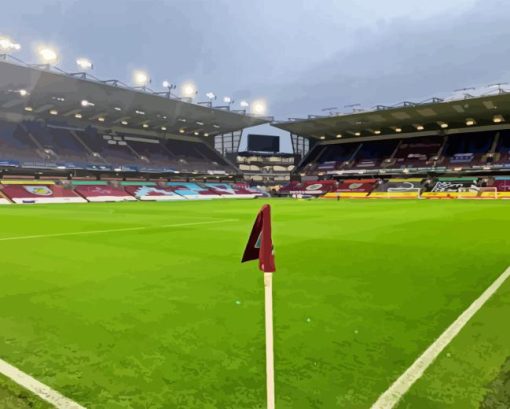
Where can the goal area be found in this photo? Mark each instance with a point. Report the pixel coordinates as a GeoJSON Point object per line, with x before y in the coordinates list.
{"type": "Point", "coordinates": [400, 192]}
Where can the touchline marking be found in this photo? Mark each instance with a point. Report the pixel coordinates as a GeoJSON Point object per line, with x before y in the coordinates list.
{"type": "Point", "coordinates": [79, 233]}
{"type": "Point", "coordinates": [395, 392]}
{"type": "Point", "coordinates": [33, 385]}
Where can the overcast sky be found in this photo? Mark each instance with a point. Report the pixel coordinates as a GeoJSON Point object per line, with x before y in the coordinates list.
{"type": "Point", "coordinates": [300, 55]}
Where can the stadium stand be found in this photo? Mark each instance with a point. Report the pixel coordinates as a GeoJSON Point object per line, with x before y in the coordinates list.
{"type": "Point", "coordinates": [35, 144]}
{"type": "Point", "coordinates": [47, 192]}
{"type": "Point", "coordinates": [98, 191]}
{"type": "Point", "coordinates": [238, 190]}
{"type": "Point", "coordinates": [372, 154]}
{"type": "Point", "coordinates": [151, 191]}
{"type": "Point", "coordinates": [470, 148]}
{"type": "Point", "coordinates": [194, 191]}
{"type": "Point", "coordinates": [417, 152]}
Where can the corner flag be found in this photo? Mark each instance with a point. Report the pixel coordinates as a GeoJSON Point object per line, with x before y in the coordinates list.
{"type": "Point", "coordinates": [260, 243]}
{"type": "Point", "coordinates": [260, 246]}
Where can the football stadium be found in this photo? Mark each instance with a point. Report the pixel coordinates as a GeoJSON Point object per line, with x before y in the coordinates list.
{"type": "Point", "coordinates": [379, 238]}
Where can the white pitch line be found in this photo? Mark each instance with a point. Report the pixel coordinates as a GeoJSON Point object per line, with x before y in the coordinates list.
{"type": "Point", "coordinates": [41, 390]}
{"type": "Point", "coordinates": [79, 233]}
{"type": "Point", "coordinates": [395, 392]}
{"type": "Point", "coordinates": [32, 384]}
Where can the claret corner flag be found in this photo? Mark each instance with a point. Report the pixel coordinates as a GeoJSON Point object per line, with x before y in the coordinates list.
{"type": "Point", "coordinates": [260, 243]}
{"type": "Point", "coordinates": [260, 246]}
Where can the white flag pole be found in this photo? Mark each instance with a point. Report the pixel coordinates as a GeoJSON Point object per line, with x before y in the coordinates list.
{"type": "Point", "coordinates": [268, 289]}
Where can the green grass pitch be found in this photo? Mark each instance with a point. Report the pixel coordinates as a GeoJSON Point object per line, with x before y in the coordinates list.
{"type": "Point", "coordinates": [165, 316]}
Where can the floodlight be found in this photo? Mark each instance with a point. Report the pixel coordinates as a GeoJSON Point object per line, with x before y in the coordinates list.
{"type": "Point", "coordinates": [145, 125]}
{"type": "Point", "coordinates": [48, 55]}
{"type": "Point", "coordinates": [357, 133]}
{"type": "Point", "coordinates": [244, 104]}
{"type": "Point", "coordinates": [210, 95]}
{"type": "Point", "coordinates": [29, 109]}
{"type": "Point", "coordinates": [166, 84]}
{"type": "Point", "coordinates": [6, 44]}
{"type": "Point", "coordinates": [85, 103]}
{"type": "Point", "coordinates": [443, 125]}
{"type": "Point", "coordinates": [419, 127]}
{"type": "Point", "coordinates": [377, 132]}
{"type": "Point", "coordinates": [163, 128]}
{"type": "Point", "coordinates": [23, 92]}
{"type": "Point", "coordinates": [470, 122]}
{"type": "Point", "coordinates": [498, 119]}
{"type": "Point", "coordinates": [100, 119]}
{"type": "Point", "coordinates": [188, 89]}
{"type": "Point", "coordinates": [84, 63]}
{"type": "Point", "coordinates": [339, 135]}
{"type": "Point", "coordinates": [398, 130]}
{"type": "Point", "coordinates": [181, 130]}
{"type": "Point", "coordinates": [227, 100]}
{"type": "Point", "coordinates": [124, 122]}
{"type": "Point", "coordinates": [141, 78]}
{"type": "Point", "coordinates": [259, 107]}
{"type": "Point", "coordinates": [53, 112]}
{"type": "Point", "coordinates": [79, 116]}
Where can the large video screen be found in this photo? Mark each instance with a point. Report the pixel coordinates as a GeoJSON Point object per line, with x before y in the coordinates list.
{"type": "Point", "coordinates": [263, 143]}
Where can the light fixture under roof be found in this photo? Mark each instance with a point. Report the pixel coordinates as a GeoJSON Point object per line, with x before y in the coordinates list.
{"type": "Point", "coordinates": [398, 130]}
{"type": "Point", "coordinates": [443, 125]}
{"type": "Point", "coordinates": [196, 133]}
{"type": "Point", "coordinates": [377, 132]}
{"type": "Point", "coordinates": [200, 123]}
{"type": "Point", "coordinates": [357, 133]}
{"type": "Point", "coordinates": [163, 128]}
{"type": "Point", "coordinates": [181, 130]}
{"type": "Point", "coordinates": [206, 134]}
{"type": "Point", "coordinates": [145, 125]}
{"type": "Point", "coordinates": [29, 109]}
{"type": "Point", "coordinates": [322, 137]}
{"type": "Point", "coordinates": [53, 112]}
{"type": "Point", "coordinates": [497, 119]}
{"type": "Point", "coordinates": [100, 119]}
{"type": "Point", "coordinates": [419, 127]}
{"type": "Point", "coordinates": [470, 122]}
{"type": "Point", "coordinates": [339, 135]}
{"type": "Point", "coordinates": [124, 122]}
{"type": "Point", "coordinates": [79, 116]}
{"type": "Point", "coordinates": [216, 126]}
{"type": "Point", "coordinates": [23, 92]}
{"type": "Point", "coordinates": [138, 112]}
{"type": "Point", "coordinates": [85, 103]}
{"type": "Point", "coordinates": [117, 108]}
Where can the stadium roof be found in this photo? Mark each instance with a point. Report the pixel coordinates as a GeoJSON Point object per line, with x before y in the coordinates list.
{"type": "Point", "coordinates": [42, 92]}
{"type": "Point", "coordinates": [437, 115]}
